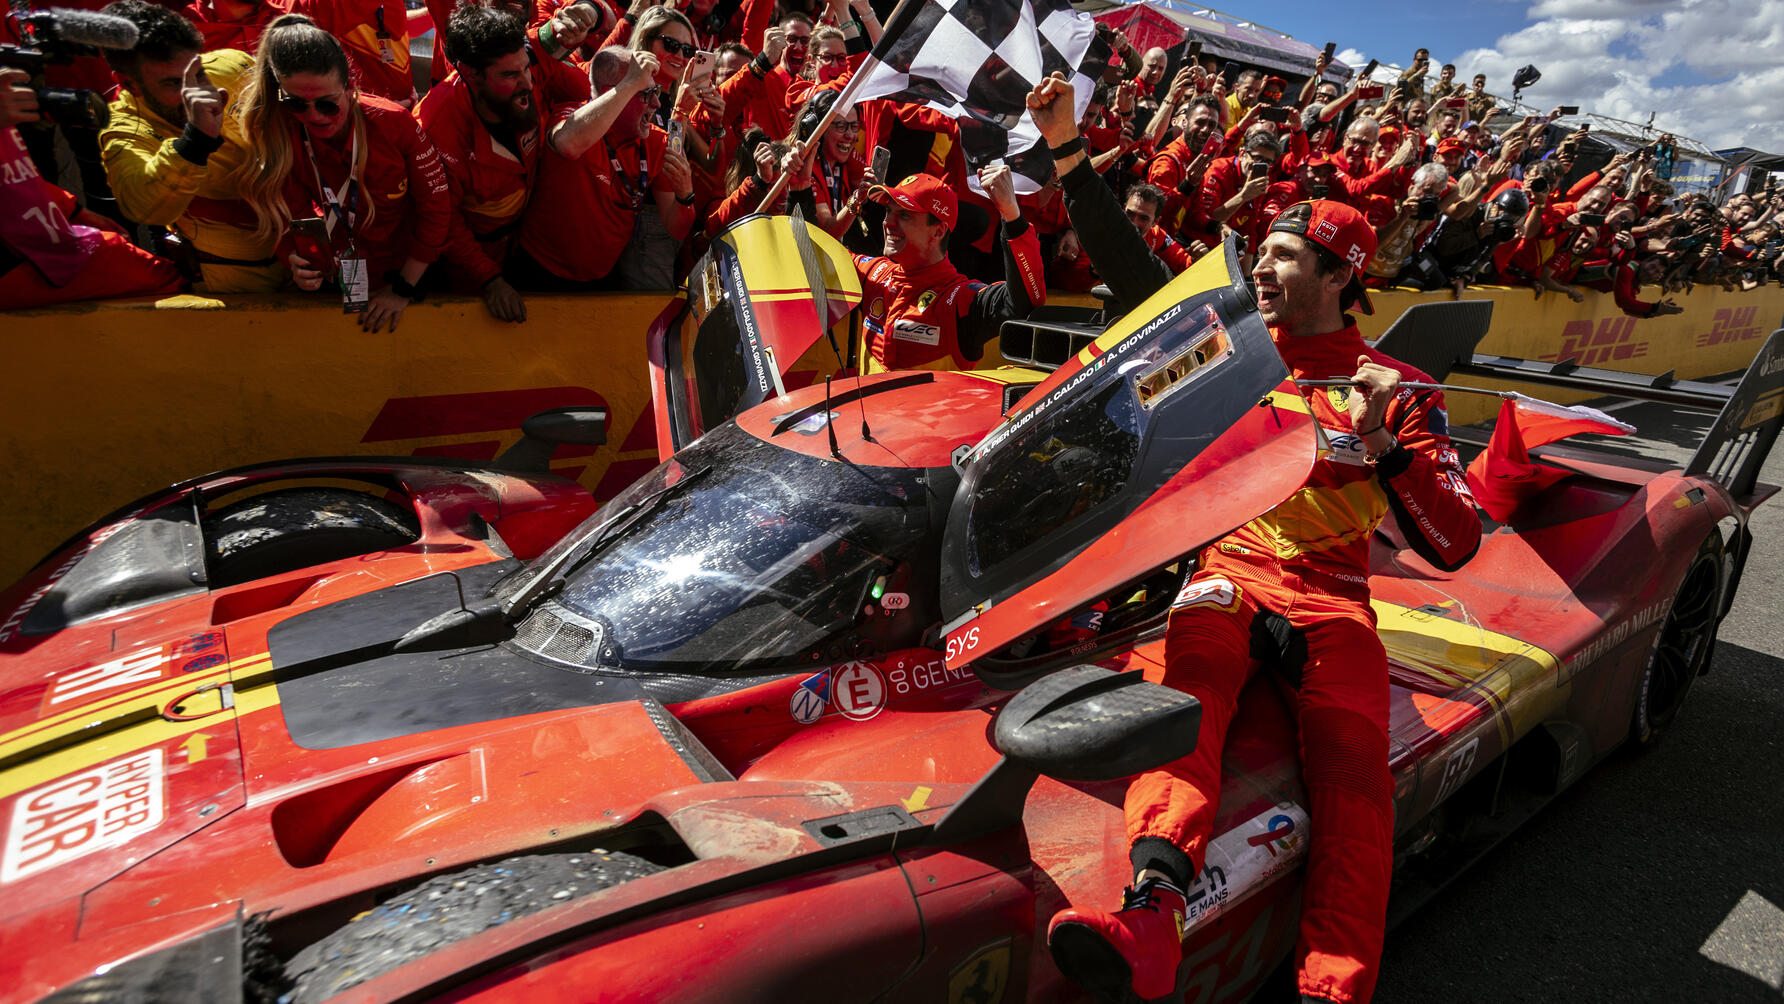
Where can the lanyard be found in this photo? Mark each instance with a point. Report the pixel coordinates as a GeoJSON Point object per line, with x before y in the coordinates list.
{"type": "Point", "coordinates": [348, 192]}
{"type": "Point", "coordinates": [833, 179]}
{"type": "Point", "coordinates": [636, 194]}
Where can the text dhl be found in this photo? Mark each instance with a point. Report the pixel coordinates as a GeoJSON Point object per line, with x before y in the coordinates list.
{"type": "Point", "coordinates": [1609, 339]}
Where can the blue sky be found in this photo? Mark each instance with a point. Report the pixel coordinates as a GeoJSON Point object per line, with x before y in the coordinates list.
{"type": "Point", "coordinates": [1708, 69]}
{"type": "Point", "coordinates": [1391, 31]}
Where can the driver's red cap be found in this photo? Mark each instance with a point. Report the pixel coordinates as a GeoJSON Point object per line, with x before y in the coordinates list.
{"type": "Point", "coordinates": [921, 193]}
{"type": "Point", "coordinates": [1339, 229]}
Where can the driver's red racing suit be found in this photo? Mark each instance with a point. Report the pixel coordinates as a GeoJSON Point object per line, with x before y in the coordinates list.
{"type": "Point", "coordinates": [917, 319]}
{"type": "Point", "coordinates": [1291, 589]}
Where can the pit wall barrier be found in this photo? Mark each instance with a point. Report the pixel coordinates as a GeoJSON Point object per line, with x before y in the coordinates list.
{"type": "Point", "coordinates": [109, 401]}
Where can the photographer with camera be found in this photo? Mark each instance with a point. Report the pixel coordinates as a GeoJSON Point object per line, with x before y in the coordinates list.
{"type": "Point", "coordinates": [173, 149]}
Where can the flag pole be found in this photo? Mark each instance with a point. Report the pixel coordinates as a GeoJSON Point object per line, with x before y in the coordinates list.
{"type": "Point", "coordinates": [902, 15]}
{"type": "Point", "coordinates": [1409, 385]}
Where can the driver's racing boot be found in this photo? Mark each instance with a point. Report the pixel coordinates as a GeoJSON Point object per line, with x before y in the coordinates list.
{"type": "Point", "coordinates": [1128, 955]}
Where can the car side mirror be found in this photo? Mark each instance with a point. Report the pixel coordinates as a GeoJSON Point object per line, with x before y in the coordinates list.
{"type": "Point", "coordinates": [1085, 723]}
{"type": "Point", "coordinates": [541, 434]}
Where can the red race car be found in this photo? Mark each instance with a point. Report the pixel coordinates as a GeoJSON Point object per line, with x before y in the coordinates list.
{"type": "Point", "coordinates": [838, 701]}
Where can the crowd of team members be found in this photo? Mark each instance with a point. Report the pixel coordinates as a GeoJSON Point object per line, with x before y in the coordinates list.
{"type": "Point", "coordinates": [570, 147]}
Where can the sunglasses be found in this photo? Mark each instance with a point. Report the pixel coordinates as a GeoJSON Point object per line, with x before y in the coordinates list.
{"type": "Point", "coordinates": [297, 106]}
{"type": "Point", "coordinates": [685, 50]}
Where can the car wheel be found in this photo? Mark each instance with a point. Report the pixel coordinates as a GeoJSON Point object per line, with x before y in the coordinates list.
{"type": "Point", "coordinates": [297, 527]}
{"type": "Point", "coordinates": [449, 908]}
{"type": "Point", "coordinates": [1683, 647]}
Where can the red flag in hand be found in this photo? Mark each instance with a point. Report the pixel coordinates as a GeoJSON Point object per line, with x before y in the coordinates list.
{"type": "Point", "coordinates": [1503, 476]}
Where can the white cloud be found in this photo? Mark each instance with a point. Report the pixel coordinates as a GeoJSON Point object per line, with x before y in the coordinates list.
{"type": "Point", "coordinates": [1608, 56]}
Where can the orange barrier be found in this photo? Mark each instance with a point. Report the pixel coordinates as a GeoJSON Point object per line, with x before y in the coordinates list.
{"type": "Point", "coordinates": [113, 400]}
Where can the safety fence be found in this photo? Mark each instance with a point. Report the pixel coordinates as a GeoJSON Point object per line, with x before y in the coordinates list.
{"type": "Point", "coordinates": [111, 400]}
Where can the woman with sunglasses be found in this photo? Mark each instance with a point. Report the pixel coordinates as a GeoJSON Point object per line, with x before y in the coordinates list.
{"type": "Point", "coordinates": [347, 181]}
{"type": "Point", "coordinates": [668, 35]}
{"type": "Point", "coordinates": [839, 173]}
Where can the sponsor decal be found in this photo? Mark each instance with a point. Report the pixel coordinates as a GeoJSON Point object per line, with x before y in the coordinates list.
{"type": "Point", "coordinates": [877, 308]}
{"type": "Point", "coordinates": [962, 642]}
{"type": "Point", "coordinates": [1614, 637]}
{"type": "Point", "coordinates": [1456, 769]}
{"type": "Point", "coordinates": [907, 330]}
{"type": "Point", "coordinates": [1215, 591]}
{"type": "Point", "coordinates": [1340, 398]}
{"type": "Point", "coordinates": [810, 698]}
{"type": "Point", "coordinates": [142, 666]}
{"type": "Point", "coordinates": [1346, 448]}
{"type": "Point", "coordinates": [858, 691]}
{"type": "Point", "coordinates": [895, 601]}
{"type": "Point", "coordinates": [1730, 324]}
{"type": "Point", "coordinates": [1768, 407]}
{"type": "Point", "coordinates": [193, 654]}
{"type": "Point", "coordinates": [84, 813]}
{"type": "Point", "coordinates": [1282, 828]}
{"type": "Point", "coordinates": [1242, 860]}
{"type": "Point", "coordinates": [982, 977]}
{"type": "Point", "coordinates": [1611, 339]}
{"type": "Point", "coordinates": [1771, 366]}
{"type": "Point", "coordinates": [923, 301]}
{"type": "Point", "coordinates": [931, 675]}
{"type": "Point", "coordinates": [1325, 231]}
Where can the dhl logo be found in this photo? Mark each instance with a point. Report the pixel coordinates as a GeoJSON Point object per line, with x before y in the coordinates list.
{"type": "Point", "coordinates": [1730, 324]}
{"type": "Point", "coordinates": [1606, 340]}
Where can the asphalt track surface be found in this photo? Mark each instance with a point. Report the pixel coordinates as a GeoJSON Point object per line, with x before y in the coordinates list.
{"type": "Point", "coordinates": [1657, 877]}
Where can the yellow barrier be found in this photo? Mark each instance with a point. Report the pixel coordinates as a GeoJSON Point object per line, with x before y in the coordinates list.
{"type": "Point", "coordinates": [110, 401]}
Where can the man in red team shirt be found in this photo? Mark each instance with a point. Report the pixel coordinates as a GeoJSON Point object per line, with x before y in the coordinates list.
{"type": "Point", "coordinates": [921, 312]}
{"type": "Point", "coordinates": [1234, 187]}
{"type": "Point", "coordinates": [1289, 590]}
{"type": "Point", "coordinates": [605, 160]}
{"type": "Point", "coordinates": [489, 124]}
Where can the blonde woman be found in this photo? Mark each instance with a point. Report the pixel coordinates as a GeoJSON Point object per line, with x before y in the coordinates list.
{"type": "Point", "coordinates": [347, 182]}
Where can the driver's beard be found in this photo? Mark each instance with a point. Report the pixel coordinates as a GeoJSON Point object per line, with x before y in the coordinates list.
{"type": "Point", "coordinates": [517, 116]}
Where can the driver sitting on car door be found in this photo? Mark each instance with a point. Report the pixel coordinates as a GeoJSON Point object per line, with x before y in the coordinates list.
{"type": "Point", "coordinates": [920, 312]}
{"type": "Point", "coordinates": [1290, 589]}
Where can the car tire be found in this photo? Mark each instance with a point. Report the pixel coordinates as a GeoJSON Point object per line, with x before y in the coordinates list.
{"type": "Point", "coordinates": [297, 527]}
{"type": "Point", "coordinates": [449, 908]}
{"type": "Point", "coordinates": [1682, 648]}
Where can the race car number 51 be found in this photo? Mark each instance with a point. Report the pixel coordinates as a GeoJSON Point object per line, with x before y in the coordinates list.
{"type": "Point", "coordinates": [962, 643]}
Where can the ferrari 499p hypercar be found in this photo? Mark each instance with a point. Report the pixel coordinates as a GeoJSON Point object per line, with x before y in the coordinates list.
{"type": "Point", "coordinates": [838, 702]}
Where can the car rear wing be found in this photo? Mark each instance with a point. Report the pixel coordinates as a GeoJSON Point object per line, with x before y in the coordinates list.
{"type": "Point", "coordinates": [1440, 339]}
{"type": "Point", "coordinates": [1747, 426]}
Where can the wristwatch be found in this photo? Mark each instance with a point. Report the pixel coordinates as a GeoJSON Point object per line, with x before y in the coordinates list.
{"type": "Point", "coordinates": [1375, 457]}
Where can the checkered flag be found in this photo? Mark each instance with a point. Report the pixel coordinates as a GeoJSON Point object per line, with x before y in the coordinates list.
{"type": "Point", "coordinates": [976, 61]}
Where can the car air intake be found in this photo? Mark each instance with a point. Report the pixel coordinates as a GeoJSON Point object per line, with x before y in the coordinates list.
{"type": "Point", "coordinates": [554, 637]}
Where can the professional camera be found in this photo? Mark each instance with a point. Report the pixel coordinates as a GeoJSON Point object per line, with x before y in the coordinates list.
{"type": "Point", "coordinates": [59, 36]}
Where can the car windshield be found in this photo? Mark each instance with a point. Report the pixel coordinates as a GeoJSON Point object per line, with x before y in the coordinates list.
{"type": "Point", "coordinates": [766, 562]}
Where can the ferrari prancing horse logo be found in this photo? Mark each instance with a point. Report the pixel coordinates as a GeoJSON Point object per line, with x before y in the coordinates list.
{"type": "Point", "coordinates": [983, 977]}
